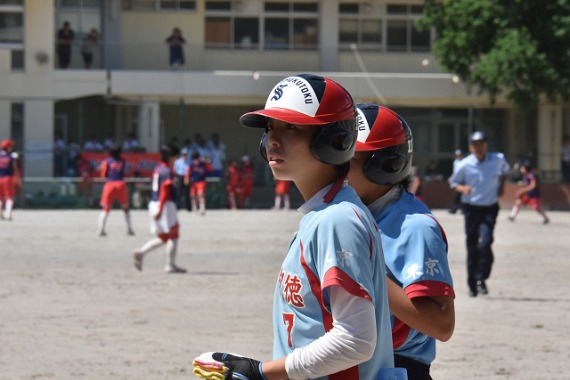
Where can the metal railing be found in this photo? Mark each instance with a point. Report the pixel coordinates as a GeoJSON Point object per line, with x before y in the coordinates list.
{"type": "Point", "coordinates": [84, 193]}
{"type": "Point", "coordinates": [199, 57]}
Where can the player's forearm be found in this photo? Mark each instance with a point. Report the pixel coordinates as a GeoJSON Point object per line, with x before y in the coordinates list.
{"type": "Point", "coordinates": [275, 369]}
{"type": "Point", "coordinates": [433, 316]}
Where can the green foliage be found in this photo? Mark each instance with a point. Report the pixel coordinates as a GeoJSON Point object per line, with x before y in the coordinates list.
{"type": "Point", "coordinates": [520, 48]}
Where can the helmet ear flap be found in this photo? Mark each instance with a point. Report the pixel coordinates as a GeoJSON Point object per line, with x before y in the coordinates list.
{"type": "Point", "coordinates": [262, 145]}
{"type": "Point", "coordinates": [388, 166]}
{"type": "Point", "coordinates": [335, 143]}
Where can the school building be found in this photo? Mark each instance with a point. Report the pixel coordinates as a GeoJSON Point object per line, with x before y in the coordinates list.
{"type": "Point", "coordinates": [235, 52]}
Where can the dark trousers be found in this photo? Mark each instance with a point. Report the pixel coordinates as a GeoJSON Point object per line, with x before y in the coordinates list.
{"type": "Point", "coordinates": [456, 202]}
{"type": "Point", "coordinates": [479, 226]}
{"type": "Point", "coordinates": [415, 369]}
{"type": "Point", "coordinates": [183, 192]}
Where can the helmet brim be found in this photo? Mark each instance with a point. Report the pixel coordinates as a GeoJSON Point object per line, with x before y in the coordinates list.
{"type": "Point", "coordinates": [258, 119]}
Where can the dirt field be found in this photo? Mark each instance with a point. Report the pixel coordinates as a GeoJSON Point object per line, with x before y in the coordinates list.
{"type": "Point", "coordinates": [72, 306]}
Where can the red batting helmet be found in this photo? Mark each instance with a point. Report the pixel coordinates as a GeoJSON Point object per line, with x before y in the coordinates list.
{"type": "Point", "coordinates": [385, 133]}
{"type": "Point", "coordinates": [307, 99]}
{"type": "Point", "coordinates": [7, 144]}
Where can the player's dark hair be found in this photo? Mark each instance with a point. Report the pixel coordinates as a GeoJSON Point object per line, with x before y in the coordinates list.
{"type": "Point", "coordinates": [406, 183]}
{"type": "Point", "coordinates": [527, 164]}
{"type": "Point", "coordinates": [115, 151]}
{"type": "Point", "coordinates": [195, 155]}
{"type": "Point", "coordinates": [167, 151]}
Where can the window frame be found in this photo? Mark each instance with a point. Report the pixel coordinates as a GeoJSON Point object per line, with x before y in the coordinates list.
{"type": "Point", "coordinates": [408, 14]}
{"type": "Point", "coordinates": [292, 16]}
{"type": "Point", "coordinates": [156, 6]}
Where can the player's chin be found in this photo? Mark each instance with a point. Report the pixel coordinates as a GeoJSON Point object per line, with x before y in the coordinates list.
{"type": "Point", "coordinates": [280, 174]}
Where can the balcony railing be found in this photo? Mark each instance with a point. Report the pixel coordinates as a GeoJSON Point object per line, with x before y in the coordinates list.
{"type": "Point", "coordinates": [155, 56]}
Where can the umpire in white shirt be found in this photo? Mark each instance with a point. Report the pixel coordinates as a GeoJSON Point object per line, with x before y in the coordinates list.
{"type": "Point", "coordinates": [480, 178]}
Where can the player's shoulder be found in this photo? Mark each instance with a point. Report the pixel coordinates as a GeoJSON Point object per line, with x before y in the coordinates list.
{"type": "Point", "coordinates": [409, 212]}
{"type": "Point", "coordinates": [497, 156]}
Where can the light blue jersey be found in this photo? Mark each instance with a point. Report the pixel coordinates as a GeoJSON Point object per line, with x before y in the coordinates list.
{"type": "Point", "coordinates": [337, 244]}
{"type": "Point", "coordinates": [415, 250]}
{"type": "Point", "coordinates": [483, 176]}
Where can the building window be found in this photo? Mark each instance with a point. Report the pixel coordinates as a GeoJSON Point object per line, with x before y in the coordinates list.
{"type": "Point", "coordinates": [290, 25]}
{"type": "Point", "coordinates": [358, 26]}
{"type": "Point", "coordinates": [283, 25]}
{"type": "Point", "coordinates": [401, 34]}
{"type": "Point", "coordinates": [159, 5]}
{"type": "Point", "coordinates": [371, 27]}
{"type": "Point", "coordinates": [82, 15]}
{"type": "Point", "coordinates": [11, 22]}
{"type": "Point", "coordinates": [12, 30]}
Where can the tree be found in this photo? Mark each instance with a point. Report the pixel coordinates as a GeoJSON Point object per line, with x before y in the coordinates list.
{"type": "Point", "coordinates": [520, 48]}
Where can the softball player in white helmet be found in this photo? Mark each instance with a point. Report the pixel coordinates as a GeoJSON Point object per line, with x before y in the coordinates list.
{"type": "Point", "coordinates": [330, 313]}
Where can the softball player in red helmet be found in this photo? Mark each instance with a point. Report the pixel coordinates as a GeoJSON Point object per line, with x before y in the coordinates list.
{"type": "Point", "coordinates": [330, 310]}
{"type": "Point", "coordinates": [9, 179]}
{"type": "Point", "coordinates": [162, 211]}
{"type": "Point", "coordinates": [420, 287]}
{"type": "Point", "coordinates": [115, 189]}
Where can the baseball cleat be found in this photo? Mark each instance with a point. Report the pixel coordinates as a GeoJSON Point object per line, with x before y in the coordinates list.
{"type": "Point", "coordinates": [138, 257]}
{"type": "Point", "coordinates": [175, 269]}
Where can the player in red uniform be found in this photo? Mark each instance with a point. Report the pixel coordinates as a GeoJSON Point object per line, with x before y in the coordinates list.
{"type": "Point", "coordinates": [113, 169]}
{"type": "Point", "coordinates": [233, 184]}
{"type": "Point", "coordinates": [196, 179]}
{"type": "Point", "coordinates": [246, 175]}
{"type": "Point", "coordinates": [529, 195]}
{"type": "Point", "coordinates": [162, 211]}
{"type": "Point", "coordinates": [9, 179]}
{"type": "Point", "coordinates": [282, 193]}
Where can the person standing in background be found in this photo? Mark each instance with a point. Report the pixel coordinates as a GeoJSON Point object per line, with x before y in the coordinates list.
{"type": "Point", "coordinates": [246, 185]}
{"type": "Point", "coordinates": [176, 54]}
{"type": "Point", "coordinates": [9, 179]}
{"type": "Point", "coordinates": [162, 212]}
{"type": "Point", "coordinates": [282, 194]}
{"type": "Point", "coordinates": [180, 168]}
{"type": "Point", "coordinates": [218, 155]}
{"type": "Point", "coordinates": [59, 156]}
{"type": "Point", "coordinates": [480, 178]}
{"type": "Point", "coordinates": [195, 178]}
{"type": "Point", "coordinates": [529, 195]}
{"type": "Point", "coordinates": [65, 38]}
{"type": "Point", "coordinates": [456, 204]}
{"type": "Point", "coordinates": [90, 42]}
{"type": "Point", "coordinates": [115, 189]}
{"type": "Point", "coordinates": [566, 158]}
{"type": "Point", "coordinates": [232, 184]}
{"type": "Point", "coordinates": [131, 143]}
{"type": "Point", "coordinates": [416, 185]}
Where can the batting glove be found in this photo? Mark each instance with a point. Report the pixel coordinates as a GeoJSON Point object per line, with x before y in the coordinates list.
{"type": "Point", "coordinates": [242, 368]}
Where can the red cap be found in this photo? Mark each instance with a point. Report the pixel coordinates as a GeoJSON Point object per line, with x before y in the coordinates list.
{"type": "Point", "coordinates": [7, 144]}
{"type": "Point", "coordinates": [378, 128]}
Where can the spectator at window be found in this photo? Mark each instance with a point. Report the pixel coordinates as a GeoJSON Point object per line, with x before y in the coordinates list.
{"type": "Point", "coordinates": [65, 38]}
{"type": "Point", "coordinates": [90, 42]}
{"type": "Point", "coordinates": [175, 42]}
